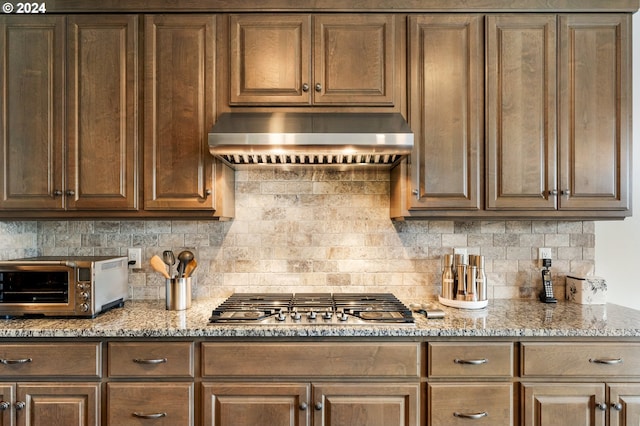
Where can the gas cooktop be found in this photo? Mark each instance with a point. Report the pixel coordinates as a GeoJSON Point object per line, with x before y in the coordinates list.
{"type": "Point", "coordinates": [312, 309]}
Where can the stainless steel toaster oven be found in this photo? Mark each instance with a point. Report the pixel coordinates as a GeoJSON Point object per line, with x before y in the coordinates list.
{"type": "Point", "coordinates": [62, 286]}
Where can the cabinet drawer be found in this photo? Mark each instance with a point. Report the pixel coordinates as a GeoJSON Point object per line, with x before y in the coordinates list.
{"type": "Point", "coordinates": [51, 359]}
{"type": "Point", "coordinates": [453, 404]}
{"type": "Point", "coordinates": [580, 359]}
{"type": "Point", "coordinates": [470, 360]}
{"type": "Point", "coordinates": [144, 359]}
{"type": "Point", "coordinates": [160, 404]}
{"type": "Point", "coordinates": [310, 359]}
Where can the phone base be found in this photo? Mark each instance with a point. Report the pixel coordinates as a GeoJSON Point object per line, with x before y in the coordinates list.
{"type": "Point", "coordinates": [545, 299]}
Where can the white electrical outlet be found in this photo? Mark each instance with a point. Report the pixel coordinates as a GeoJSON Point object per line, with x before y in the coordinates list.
{"type": "Point", "coordinates": [135, 258]}
{"type": "Point", "coordinates": [544, 253]}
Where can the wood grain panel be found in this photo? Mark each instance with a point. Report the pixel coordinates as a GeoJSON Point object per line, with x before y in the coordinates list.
{"type": "Point", "coordinates": [445, 399]}
{"type": "Point", "coordinates": [457, 360]}
{"type": "Point", "coordinates": [179, 111]}
{"type": "Point", "coordinates": [562, 404]}
{"type": "Point", "coordinates": [54, 359]}
{"type": "Point", "coordinates": [354, 59]}
{"type": "Point", "coordinates": [310, 359]}
{"type": "Point", "coordinates": [270, 59]}
{"type": "Point", "coordinates": [31, 71]}
{"type": "Point", "coordinates": [446, 96]}
{"type": "Point", "coordinates": [595, 95]}
{"type": "Point", "coordinates": [138, 359]}
{"type": "Point", "coordinates": [60, 403]}
{"type": "Point", "coordinates": [627, 394]}
{"type": "Point", "coordinates": [102, 119]}
{"type": "Point", "coordinates": [521, 112]}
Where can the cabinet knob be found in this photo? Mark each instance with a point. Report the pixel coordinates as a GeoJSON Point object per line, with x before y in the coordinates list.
{"type": "Point", "coordinates": [303, 406]}
{"type": "Point", "coordinates": [70, 192]}
{"type": "Point", "coordinates": [566, 192]}
{"type": "Point", "coordinates": [616, 406]}
{"type": "Point", "coordinates": [553, 192]}
{"type": "Point", "coordinates": [4, 405]}
{"type": "Point", "coordinates": [318, 406]}
{"type": "Point", "coordinates": [57, 193]}
{"type": "Point", "coordinates": [318, 87]}
{"type": "Point", "coordinates": [207, 192]}
{"type": "Point", "coordinates": [601, 406]}
{"type": "Point", "coordinates": [20, 405]}
{"type": "Point", "coordinates": [305, 87]}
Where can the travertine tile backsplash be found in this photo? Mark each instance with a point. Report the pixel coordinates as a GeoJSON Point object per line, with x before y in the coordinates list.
{"type": "Point", "coordinates": [315, 230]}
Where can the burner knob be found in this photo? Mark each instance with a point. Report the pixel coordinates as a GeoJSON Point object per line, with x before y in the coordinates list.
{"type": "Point", "coordinates": [281, 316]}
{"type": "Point", "coordinates": [295, 315]}
{"type": "Point", "coordinates": [327, 315]}
{"type": "Point", "coordinates": [312, 315]}
{"type": "Point", "coordinates": [342, 316]}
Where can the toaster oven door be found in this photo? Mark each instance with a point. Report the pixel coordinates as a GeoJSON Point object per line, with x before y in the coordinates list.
{"type": "Point", "coordinates": [37, 290]}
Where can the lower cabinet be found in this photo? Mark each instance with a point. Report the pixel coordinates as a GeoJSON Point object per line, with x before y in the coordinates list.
{"type": "Point", "coordinates": [50, 403]}
{"type": "Point", "coordinates": [371, 404]}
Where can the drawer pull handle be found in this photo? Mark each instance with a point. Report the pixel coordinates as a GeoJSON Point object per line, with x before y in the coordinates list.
{"type": "Point", "coordinates": [607, 361]}
{"type": "Point", "coordinates": [150, 361]}
{"type": "Point", "coordinates": [149, 416]}
{"type": "Point", "coordinates": [471, 361]}
{"type": "Point", "coordinates": [16, 361]}
{"type": "Point", "coordinates": [472, 416]}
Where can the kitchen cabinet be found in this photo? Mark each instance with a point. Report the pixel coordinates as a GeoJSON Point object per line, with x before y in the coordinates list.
{"type": "Point", "coordinates": [301, 59]}
{"type": "Point", "coordinates": [446, 98]}
{"type": "Point", "coordinates": [180, 70]}
{"type": "Point", "coordinates": [68, 387]}
{"type": "Point", "coordinates": [575, 158]}
{"type": "Point", "coordinates": [470, 381]}
{"type": "Point", "coordinates": [150, 381]}
{"type": "Point", "coordinates": [560, 400]}
{"type": "Point", "coordinates": [32, 72]}
{"type": "Point", "coordinates": [69, 137]}
{"type": "Point", "coordinates": [343, 383]}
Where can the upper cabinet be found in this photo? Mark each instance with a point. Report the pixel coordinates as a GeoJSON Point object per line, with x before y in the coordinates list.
{"type": "Point", "coordinates": [179, 172]}
{"type": "Point", "coordinates": [84, 159]}
{"type": "Point", "coordinates": [556, 113]}
{"type": "Point", "coordinates": [312, 59]}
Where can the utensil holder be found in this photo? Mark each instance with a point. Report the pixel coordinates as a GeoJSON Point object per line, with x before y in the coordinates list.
{"type": "Point", "coordinates": [178, 294]}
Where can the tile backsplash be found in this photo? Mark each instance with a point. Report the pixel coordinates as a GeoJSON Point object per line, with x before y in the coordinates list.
{"type": "Point", "coordinates": [317, 230]}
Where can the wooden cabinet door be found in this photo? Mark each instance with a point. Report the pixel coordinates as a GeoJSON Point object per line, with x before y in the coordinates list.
{"type": "Point", "coordinates": [179, 111]}
{"type": "Point", "coordinates": [58, 404]}
{"type": "Point", "coordinates": [102, 112]}
{"type": "Point", "coordinates": [452, 404]}
{"type": "Point", "coordinates": [7, 398]}
{"type": "Point", "coordinates": [270, 59]}
{"type": "Point", "coordinates": [624, 404]}
{"type": "Point", "coordinates": [521, 112]}
{"type": "Point", "coordinates": [31, 115]}
{"type": "Point", "coordinates": [595, 109]}
{"type": "Point", "coordinates": [561, 404]}
{"type": "Point", "coordinates": [353, 59]}
{"type": "Point", "coordinates": [446, 97]}
{"type": "Point", "coordinates": [371, 404]}
{"type": "Point", "coordinates": [250, 404]}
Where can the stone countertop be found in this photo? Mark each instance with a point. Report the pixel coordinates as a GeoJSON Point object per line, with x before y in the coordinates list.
{"type": "Point", "coordinates": [502, 318]}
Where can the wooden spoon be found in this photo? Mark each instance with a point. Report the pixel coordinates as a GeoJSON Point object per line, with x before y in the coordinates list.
{"type": "Point", "coordinates": [191, 266]}
{"type": "Point", "coordinates": [159, 266]}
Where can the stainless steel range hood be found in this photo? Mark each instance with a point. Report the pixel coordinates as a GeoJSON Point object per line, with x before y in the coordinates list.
{"type": "Point", "coordinates": [311, 138]}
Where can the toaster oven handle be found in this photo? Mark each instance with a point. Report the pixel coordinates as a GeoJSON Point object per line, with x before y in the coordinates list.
{"type": "Point", "coordinates": [15, 361]}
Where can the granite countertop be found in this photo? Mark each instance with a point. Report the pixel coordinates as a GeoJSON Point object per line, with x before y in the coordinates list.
{"type": "Point", "coordinates": [502, 318]}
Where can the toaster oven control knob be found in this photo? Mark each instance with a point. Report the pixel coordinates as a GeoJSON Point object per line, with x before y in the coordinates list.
{"type": "Point", "coordinates": [84, 296]}
{"type": "Point", "coordinates": [281, 316]}
{"type": "Point", "coordinates": [84, 307]}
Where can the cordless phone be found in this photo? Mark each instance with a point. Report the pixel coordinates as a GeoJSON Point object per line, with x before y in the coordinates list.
{"type": "Point", "coordinates": [546, 295]}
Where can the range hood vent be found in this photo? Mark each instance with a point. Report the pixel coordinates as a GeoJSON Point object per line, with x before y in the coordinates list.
{"type": "Point", "coordinates": [311, 138]}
